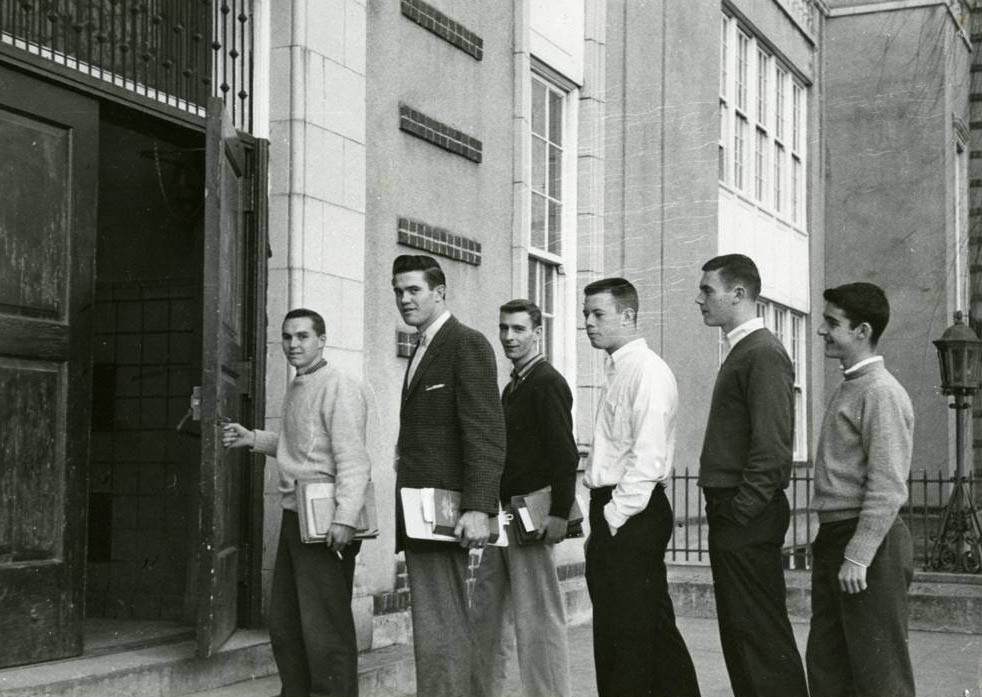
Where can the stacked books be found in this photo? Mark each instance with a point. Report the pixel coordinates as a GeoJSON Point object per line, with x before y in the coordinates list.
{"type": "Point", "coordinates": [432, 514]}
{"type": "Point", "coordinates": [531, 511]}
{"type": "Point", "coordinates": [316, 506]}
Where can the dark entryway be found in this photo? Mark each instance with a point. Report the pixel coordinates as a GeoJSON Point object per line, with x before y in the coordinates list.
{"type": "Point", "coordinates": [132, 275]}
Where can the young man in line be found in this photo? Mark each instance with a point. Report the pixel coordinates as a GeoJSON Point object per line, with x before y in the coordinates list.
{"type": "Point", "coordinates": [744, 468]}
{"type": "Point", "coordinates": [451, 436]}
{"type": "Point", "coordinates": [518, 585]}
{"type": "Point", "coordinates": [637, 648]}
{"type": "Point", "coordinates": [311, 626]}
{"type": "Point", "coordinates": [863, 556]}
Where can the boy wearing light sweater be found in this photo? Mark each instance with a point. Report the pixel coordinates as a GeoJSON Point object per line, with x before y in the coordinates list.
{"type": "Point", "coordinates": [863, 557]}
{"type": "Point", "coordinates": [311, 626]}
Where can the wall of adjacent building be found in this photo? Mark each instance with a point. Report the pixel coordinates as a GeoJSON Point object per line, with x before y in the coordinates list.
{"type": "Point", "coordinates": [896, 85]}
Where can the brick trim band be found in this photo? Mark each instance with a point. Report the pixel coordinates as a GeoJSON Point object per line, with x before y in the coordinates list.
{"type": "Point", "coordinates": [419, 235]}
{"type": "Point", "coordinates": [454, 33]}
{"type": "Point", "coordinates": [439, 134]}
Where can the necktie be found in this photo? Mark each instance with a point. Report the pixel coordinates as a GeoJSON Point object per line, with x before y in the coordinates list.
{"type": "Point", "coordinates": [421, 342]}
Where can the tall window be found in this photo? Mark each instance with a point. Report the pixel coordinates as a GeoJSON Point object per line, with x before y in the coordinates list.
{"type": "Point", "coordinates": [548, 187]}
{"type": "Point", "coordinates": [789, 327]}
{"type": "Point", "coordinates": [762, 115]}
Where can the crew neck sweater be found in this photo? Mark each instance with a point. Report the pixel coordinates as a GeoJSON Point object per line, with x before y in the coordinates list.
{"type": "Point", "coordinates": [322, 434]}
{"type": "Point", "coordinates": [864, 454]}
{"type": "Point", "coordinates": [748, 441]}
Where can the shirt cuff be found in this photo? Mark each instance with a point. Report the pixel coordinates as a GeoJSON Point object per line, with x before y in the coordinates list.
{"type": "Point", "coordinates": [614, 519]}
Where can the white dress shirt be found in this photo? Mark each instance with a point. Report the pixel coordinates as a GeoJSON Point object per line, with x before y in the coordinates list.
{"type": "Point", "coordinates": [423, 341]}
{"type": "Point", "coordinates": [866, 361]}
{"type": "Point", "coordinates": [634, 430]}
{"type": "Point", "coordinates": [734, 336]}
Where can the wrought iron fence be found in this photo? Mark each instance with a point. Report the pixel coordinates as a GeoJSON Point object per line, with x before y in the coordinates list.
{"type": "Point", "coordinates": [923, 514]}
{"type": "Point", "coordinates": [176, 52]}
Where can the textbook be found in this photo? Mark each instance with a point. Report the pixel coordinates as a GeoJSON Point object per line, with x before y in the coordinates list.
{"type": "Point", "coordinates": [432, 514]}
{"type": "Point", "coordinates": [531, 511]}
{"type": "Point", "coordinates": [315, 508]}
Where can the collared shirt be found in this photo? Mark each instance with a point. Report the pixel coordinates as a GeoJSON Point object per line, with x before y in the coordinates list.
{"type": "Point", "coordinates": [519, 374]}
{"type": "Point", "coordinates": [312, 368]}
{"type": "Point", "coordinates": [866, 361]}
{"type": "Point", "coordinates": [734, 336]}
{"type": "Point", "coordinates": [634, 430]}
{"type": "Point", "coordinates": [425, 337]}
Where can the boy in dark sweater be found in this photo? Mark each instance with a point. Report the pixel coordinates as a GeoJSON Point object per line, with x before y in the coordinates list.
{"type": "Point", "coordinates": [863, 558]}
{"type": "Point", "coordinates": [518, 584]}
{"type": "Point", "coordinates": [744, 468]}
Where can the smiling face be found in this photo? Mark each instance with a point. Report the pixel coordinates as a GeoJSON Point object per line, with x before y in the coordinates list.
{"type": "Point", "coordinates": [849, 344]}
{"type": "Point", "coordinates": [716, 302]}
{"type": "Point", "coordinates": [607, 327]}
{"type": "Point", "coordinates": [418, 304]}
{"type": "Point", "coordinates": [518, 337]}
{"type": "Point", "coordinates": [301, 345]}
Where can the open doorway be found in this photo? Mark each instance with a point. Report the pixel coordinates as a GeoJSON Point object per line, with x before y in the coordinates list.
{"type": "Point", "coordinates": [146, 360]}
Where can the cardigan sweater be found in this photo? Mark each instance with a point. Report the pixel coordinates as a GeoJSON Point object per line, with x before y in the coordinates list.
{"type": "Point", "coordinates": [748, 442]}
{"type": "Point", "coordinates": [323, 434]}
{"type": "Point", "coordinates": [540, 450]}
{"type": "Point", "coordinates": [864, 454]}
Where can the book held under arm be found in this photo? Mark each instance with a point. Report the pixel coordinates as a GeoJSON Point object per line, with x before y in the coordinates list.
{"type": "Point", "coordinates": [316, 506]}
{"type": "Point", "coordinates": [531, 511]}
{"type": "Point", "coordinates": [432, 514]}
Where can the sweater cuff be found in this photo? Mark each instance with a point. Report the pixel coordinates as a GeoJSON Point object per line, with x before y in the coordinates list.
{"type": "Point", "coordinates": [266, 442]}
{"type": "Point", "coordinates": [866, 541]}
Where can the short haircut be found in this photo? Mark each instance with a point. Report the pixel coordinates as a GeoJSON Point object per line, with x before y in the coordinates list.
{"type": "Point", "coordinates": [861, 302]}
{"type": "Point", "coordinates": [315, 319]}
{"type": "Point", "coordinates": [736, 269]}
{"type": "Point", "coordinates": [623, 291]}
{"type": "Point", "coordinates": [523, 305]}
{"type": "Point", "coordinates": [405, 263]}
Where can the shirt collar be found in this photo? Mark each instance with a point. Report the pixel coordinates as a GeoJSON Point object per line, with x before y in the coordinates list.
{"type": "Point", "coordinates": [737, 333]}
{"type": "Point", "coordinates": [313, 368]}
{"type": "Point", "coordinates": [627, 349]}
{"type": "Point", "coordinates": [527, 366]}
{"type": "Point", "coordinates": [855, 367]}
{"type": "Point", "coordinates": [430, 332]}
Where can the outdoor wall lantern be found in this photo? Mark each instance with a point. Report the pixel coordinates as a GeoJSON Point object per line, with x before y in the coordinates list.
{"type": "Point", "coordinates": [958, 545]}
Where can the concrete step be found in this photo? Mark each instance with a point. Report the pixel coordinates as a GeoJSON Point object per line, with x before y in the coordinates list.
{"type": "Point", "coordinates": [387, 672]}
{"type": "Point", "coordinates": [164, 669]}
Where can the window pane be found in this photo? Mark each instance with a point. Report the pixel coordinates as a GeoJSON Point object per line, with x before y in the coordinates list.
{"type": "Point", "coordinates": [722, 141]}
{"type": "Point", "coordinates": [556, 118]}
{"type": "Point", "coordinates": [538, 237]}
{"type": "Point", "coordinates": [795, 189]}
{"type": "Point", "coordinates": [548, 282]}
{"type": "Point", "coordinates": [538, 165]}
{"type": "Point", "coordinates": [741, 73]}
{"type": "Point", "coordinates": [795, 117]}
{"type": "Point", "coordinates": [739, 151]}
{"type": "Point", "coordinates": [760, 169]}
{"type": "Point", "coordinates": [779, 104]}
{"type": "Point", "coordinates": [555, 172]}
{"type": "Point", "coordinates": [547, 338]}
{"type": "Point", "coordinates": [778, 177]}
{"type": "Point", "coordinates": [763, 66]}
{"type": "Point", "coordinates": [534, 281]}
{"type": "Point", "coordinates": [724, 48]}
{"type": "Point", "coordinates": [555, 227]}
{"type": "Point", "coordinates": [538, 108]}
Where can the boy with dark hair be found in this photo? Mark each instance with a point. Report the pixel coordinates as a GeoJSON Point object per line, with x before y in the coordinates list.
{"type": "Point", "coordinates": [311, 626]}
{"type": "Point", "coordinates": [518, 584]}
{"type": "Point", "coordinates": [863, 557]}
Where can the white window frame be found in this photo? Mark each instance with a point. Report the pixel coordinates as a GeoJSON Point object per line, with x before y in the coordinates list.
{"type": "Point", "coordinates": [559, 333]}
{"type": "Point", "coordinates": [790, 327]}
{"type": "Point", "coordinates": [763, 116]}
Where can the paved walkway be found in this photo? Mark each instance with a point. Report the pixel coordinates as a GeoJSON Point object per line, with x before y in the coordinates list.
{"type": "Point", "coordinates": [945, 665]}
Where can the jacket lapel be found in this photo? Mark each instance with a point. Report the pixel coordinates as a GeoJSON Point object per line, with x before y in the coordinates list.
{"type": "Point", "coordinates": [432, 351]}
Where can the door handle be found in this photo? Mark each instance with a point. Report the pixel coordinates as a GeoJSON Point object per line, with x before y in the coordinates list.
{"type": "Point", "coordinates": [194, 410]}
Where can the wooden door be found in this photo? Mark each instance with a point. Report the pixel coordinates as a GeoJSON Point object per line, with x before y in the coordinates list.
{"type": "Point", "coordinates": [49, 140]}
{"type": "Point", "coordinates": [226, 378]}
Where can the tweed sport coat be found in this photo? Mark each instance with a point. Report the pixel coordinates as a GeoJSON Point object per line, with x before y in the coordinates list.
{"type": "Point", "coordinates": [451, 425]}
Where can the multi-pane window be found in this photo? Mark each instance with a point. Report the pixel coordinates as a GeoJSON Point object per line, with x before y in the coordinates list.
{"type": "Point", "coordinates": [548, 152]}
{"type": "Point", "coordinates": [762, 113]}
{"type": "Point", "coordinates": [789, 327]}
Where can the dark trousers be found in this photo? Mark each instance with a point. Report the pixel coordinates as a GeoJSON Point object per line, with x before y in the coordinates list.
{"type": "Point", "coordinates": [310, 622]}
{"type": "Point", "coordinates": [441, 619]}
{"type": "Point", "coordinates": [637, 648]}
{"type": "Point", "coordinates": [858, 643]}
{"type": "Point", "coordinates": [759, 649]}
